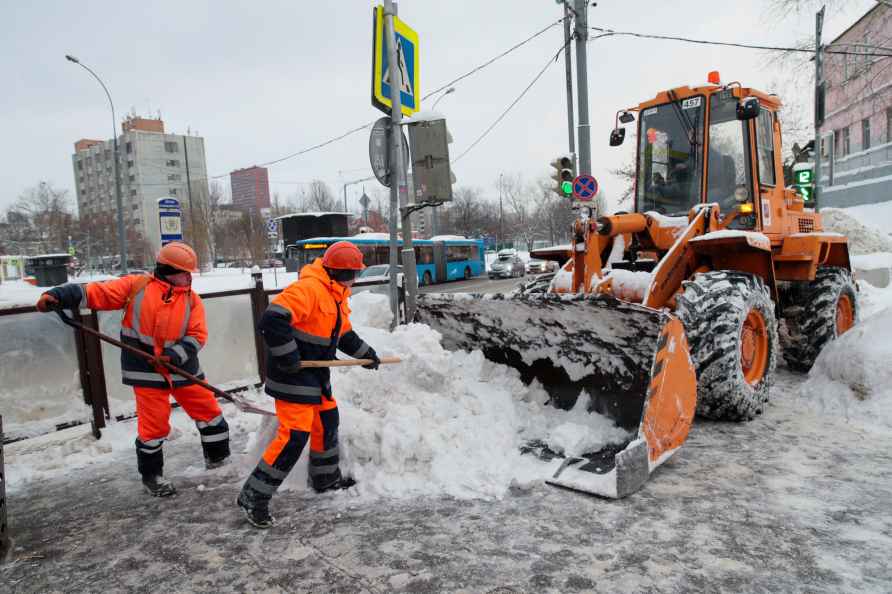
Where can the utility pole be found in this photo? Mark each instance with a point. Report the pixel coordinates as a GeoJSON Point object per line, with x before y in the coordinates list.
{"type": "Point", "coordinates": [501, 232]}
{"type": "Point", "coordinates": [585, 143]}
{"type": "Point", "coordinates": [198, 249]}
{"type": "Point", "coordinates": [819, 102]}
{"type": "Point", "coordinates": [398, 188]}
{"type": "Point", "coordinates": [568, 66]}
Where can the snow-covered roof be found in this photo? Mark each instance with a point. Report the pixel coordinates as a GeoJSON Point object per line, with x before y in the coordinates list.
{"type": "Point", "coordinates": [447, 237]}
{"type": "Point", "coordinates": [60, 255]}
{"type": "Point", "coordinates": [425, 115]}
{"type": "Point", "coordinates": [311, 214]}
{"type": "Point", "coordinates": [803, 166]}
{"type": "Point", "coordinates": [371, 236]}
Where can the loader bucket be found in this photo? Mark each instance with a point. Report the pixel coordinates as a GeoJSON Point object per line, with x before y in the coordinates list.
{"type": "Point", "coordinates": [632, 360]}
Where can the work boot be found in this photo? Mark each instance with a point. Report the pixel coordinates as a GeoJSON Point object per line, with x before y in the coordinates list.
{"type": "Point", "coordinates": [257, 512]}
{"type": "Point", "coordinates": [341, 483]}
{"type": "Point", "coordinates": [157, 486]}
{"type": "Point", "coordinates": [211, 464]}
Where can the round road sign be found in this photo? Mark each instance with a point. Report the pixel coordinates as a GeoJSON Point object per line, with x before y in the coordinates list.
{"type": "Point", "coordinates": [585, 188]}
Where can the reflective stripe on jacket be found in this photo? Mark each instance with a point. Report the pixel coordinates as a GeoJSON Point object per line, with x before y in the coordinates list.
{"type": "Point", "coordinates": [159, 319]}
{"type": "Point", "coordinates": [309, 320]}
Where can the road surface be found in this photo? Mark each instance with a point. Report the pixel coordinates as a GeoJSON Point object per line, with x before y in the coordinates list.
{"type": "Point", "coordinates": [477, 285]}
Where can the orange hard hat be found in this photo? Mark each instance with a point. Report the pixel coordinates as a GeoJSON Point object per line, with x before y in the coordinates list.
{"type": "Point", "coordinates": [179, 255]}
{"type": "Point", "coordinates": [343, 255]}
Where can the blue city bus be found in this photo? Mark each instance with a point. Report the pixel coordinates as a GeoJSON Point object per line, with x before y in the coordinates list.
{"type": "Point", "coordinates": [437, 260]}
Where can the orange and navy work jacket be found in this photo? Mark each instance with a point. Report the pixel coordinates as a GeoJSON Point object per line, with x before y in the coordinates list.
{"type": "Point", "coordinates": [159, 319]}
{"type": "Point", "coordinates": [309, 320]}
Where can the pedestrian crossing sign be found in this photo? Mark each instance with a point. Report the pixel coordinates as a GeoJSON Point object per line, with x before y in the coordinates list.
{"type": "Point", "coordinates": [407, 63]}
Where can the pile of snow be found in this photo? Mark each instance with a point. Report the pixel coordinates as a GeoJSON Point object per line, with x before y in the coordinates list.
{"type": "Point", "coordinates": [863, 238]}
{"type": "Point", "coordinates": [437, 423]}
{"type": "Point", "coordinates": [852, 377]}
{"type": "Point", "coordinates": [878, 216]}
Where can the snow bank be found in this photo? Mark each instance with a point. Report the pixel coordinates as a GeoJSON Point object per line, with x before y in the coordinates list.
{"type": "Point", "coordinates": [437, 423]}
{"type": "Point", "coordinates": [878, 216]}
{"type": "Point", "coordinates": [852, 377]}
{"type": "Point", "coordinates": [863, 239]}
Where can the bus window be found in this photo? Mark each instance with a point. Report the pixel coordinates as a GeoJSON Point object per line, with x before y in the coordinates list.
{"type": "Point", "coordinates": [368, 254]}
{"type": "Point", "coordinates": [382, 253]}
{"type": "Point", "coordinates": [475, 252]}
{"type": "Point", "coordinates": [457, 253]}
{"type": "Point", "coordinates": [424, 254]}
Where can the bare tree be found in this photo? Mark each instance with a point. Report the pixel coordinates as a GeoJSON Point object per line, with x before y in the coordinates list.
{"type": "Point", "coordinates": [554, 213]}
{"type": "Point", "coordinates": [522, 200]}
{"type": "Point", "coordinates": [45, 213]}
{"type": "Point", "coordinates": [317, 197]}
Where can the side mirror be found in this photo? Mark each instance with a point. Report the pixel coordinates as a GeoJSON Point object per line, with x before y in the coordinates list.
{"type": "Point", "coordinates": [626, 117]}
{"type": "Point", "coordinates": [617, 136]}
{"type": "Point", "coordinates": [748, 109]}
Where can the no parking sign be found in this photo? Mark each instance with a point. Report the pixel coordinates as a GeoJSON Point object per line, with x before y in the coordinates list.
{"type": "Point", "coordinates": [585, 188]}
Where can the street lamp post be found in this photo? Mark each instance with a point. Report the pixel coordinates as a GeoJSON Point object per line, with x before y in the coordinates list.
{"type": "Point", "coordinates": [440, 98]}
{"type": "Point", "coordinates": [501, 233]}
{"type": "Point", "coordinates": [122, 238]}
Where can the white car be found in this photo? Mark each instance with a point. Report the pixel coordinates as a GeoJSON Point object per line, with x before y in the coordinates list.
{"type": "Point", "coordinates": [541, 266]}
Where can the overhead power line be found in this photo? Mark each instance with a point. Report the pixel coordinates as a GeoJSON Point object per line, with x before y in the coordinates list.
{"type": "Point", "coordinates": [550, 61]}
{"type": "Point", "coordinates": [434, 92]}
{"type": "Point", "coordinates": [875, 54]}
{"type": "Point", "coordinates": [490, 61]}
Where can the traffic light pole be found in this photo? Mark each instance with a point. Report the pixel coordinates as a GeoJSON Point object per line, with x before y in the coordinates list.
{"type": "Point", "coordinates": [568, 66]}
{"type": "Point", "coordinates": [585, 143]}
{"type": "Point", "coordinates": [398, 187]}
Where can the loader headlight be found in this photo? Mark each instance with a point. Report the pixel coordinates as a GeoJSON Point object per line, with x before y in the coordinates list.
{"type": "Point", "coordinates": [746, 208]}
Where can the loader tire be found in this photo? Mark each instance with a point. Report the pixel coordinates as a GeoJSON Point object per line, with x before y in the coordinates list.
{"type": "Point", "coordinates": [732, 333]}
{"type": "Point", "coordinates": [818, 312]}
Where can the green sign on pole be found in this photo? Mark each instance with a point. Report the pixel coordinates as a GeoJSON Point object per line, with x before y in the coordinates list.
{"type": "Point", "coordinates": [804, 181]}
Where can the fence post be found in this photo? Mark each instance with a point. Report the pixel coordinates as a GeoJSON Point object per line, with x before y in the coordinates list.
{"type": "Point", "coordinates": [259, 302]}
{"type": "Point", "coordinates": [92, 371]}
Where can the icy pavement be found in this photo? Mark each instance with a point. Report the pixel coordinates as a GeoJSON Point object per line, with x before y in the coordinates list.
{"type": "Point", "coordinates": [791, 502]}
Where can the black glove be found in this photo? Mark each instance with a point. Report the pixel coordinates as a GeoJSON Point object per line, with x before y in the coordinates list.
{"type": "Point", "coordinates": [371, 354]}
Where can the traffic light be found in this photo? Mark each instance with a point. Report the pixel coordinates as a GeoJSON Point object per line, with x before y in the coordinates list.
{"type": "Point", "coordinates": [564, 174]}
{"type": "Point", "coordinates": [804, 180]}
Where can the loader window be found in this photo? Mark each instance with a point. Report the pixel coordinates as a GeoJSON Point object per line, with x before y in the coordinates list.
{"type": "Point", "coordinates": [728, 180]}
{"type": "Point", "coordinates": [765, 140]}
{"type": "Point", "coordinates": [669, 143]}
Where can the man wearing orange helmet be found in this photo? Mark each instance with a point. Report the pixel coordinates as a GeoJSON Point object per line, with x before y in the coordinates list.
{"type": "Point", "coordinates": [308, 320]}
{"type": "Point", "coordinates": [165, 318]}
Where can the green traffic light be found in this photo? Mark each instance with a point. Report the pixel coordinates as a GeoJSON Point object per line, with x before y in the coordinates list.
{"type": "Point", "coordinates": [567, 187]}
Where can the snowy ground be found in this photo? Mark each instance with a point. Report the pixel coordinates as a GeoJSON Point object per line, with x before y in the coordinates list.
{"type": "Point", "coordinates": [796, 500]}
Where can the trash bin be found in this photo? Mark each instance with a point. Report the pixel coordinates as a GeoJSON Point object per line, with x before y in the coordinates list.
{"type": "Point", "coordinates": [50, 269]}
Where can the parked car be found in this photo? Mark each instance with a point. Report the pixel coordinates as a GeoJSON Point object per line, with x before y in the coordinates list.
{"type": "Point", "coordinates": [507, 265]}
{"type": "Point", "coordinates": [541, 266]}
{"type": "Point", "coordinates": [376, 279]}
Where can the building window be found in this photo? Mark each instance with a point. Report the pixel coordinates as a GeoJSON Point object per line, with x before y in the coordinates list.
{"type": "Point", "coordinates": [128, 148]}
{"type": "Point", "coordinates": [133, 192]}
{"type": "Point", "coordinates": [80, 164]}
{"type": "Point", "coordinates": [865, 134]}
{"type": "Point", "coordinates": [171, 147]}
{"type": "Point", "coordinates": [132, 178]}
{"type": "Point", "coordinates": [173, 177]}
{"type": "Point", "coordinates": [172, 191]}
{"type": "Point", "coordinates": [173, 163]}
{"type": "Point", "coordinates": [129, 164]}
{"type": "Point", "coordinates": [889, 124]}
{"type": "Point", "coordinates": [846, 144]}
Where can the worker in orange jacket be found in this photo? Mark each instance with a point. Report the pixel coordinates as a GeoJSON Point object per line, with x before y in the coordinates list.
{"type": "Point", "coordinates": [308, 320]}
{"type": "Point", "coordinates": [164, 318]}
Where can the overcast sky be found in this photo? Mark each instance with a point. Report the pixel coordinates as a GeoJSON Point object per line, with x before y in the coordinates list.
{"type": "Point", "coordinates": [259, 83]}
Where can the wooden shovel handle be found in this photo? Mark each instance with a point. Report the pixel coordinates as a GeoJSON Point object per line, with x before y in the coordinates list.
{"type": "Point", "coordinates": [347, 362]}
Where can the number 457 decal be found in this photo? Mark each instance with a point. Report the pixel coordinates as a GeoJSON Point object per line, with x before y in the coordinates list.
{"type": "Point", "coordinates": [690, 103]}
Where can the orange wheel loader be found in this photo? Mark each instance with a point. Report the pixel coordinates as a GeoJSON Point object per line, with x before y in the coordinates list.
{"type": "Point", "coordinates": [672, 309]}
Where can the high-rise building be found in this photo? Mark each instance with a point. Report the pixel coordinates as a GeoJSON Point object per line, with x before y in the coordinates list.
{"type": "Point", "coordinates": [152, 164]}
{"type": "Point", "coordinates": [250, 188]}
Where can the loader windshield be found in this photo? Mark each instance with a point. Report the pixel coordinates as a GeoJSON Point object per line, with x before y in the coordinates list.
{"type": "Point", "coordinates": [670, 141]}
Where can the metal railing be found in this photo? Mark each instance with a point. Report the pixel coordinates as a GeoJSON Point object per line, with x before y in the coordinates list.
{"type": "Point", "coordinates": [91, 369]}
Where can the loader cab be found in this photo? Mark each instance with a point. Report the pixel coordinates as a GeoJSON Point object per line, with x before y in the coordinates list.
{"type": "Point", "coordinates": [713, 144]}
